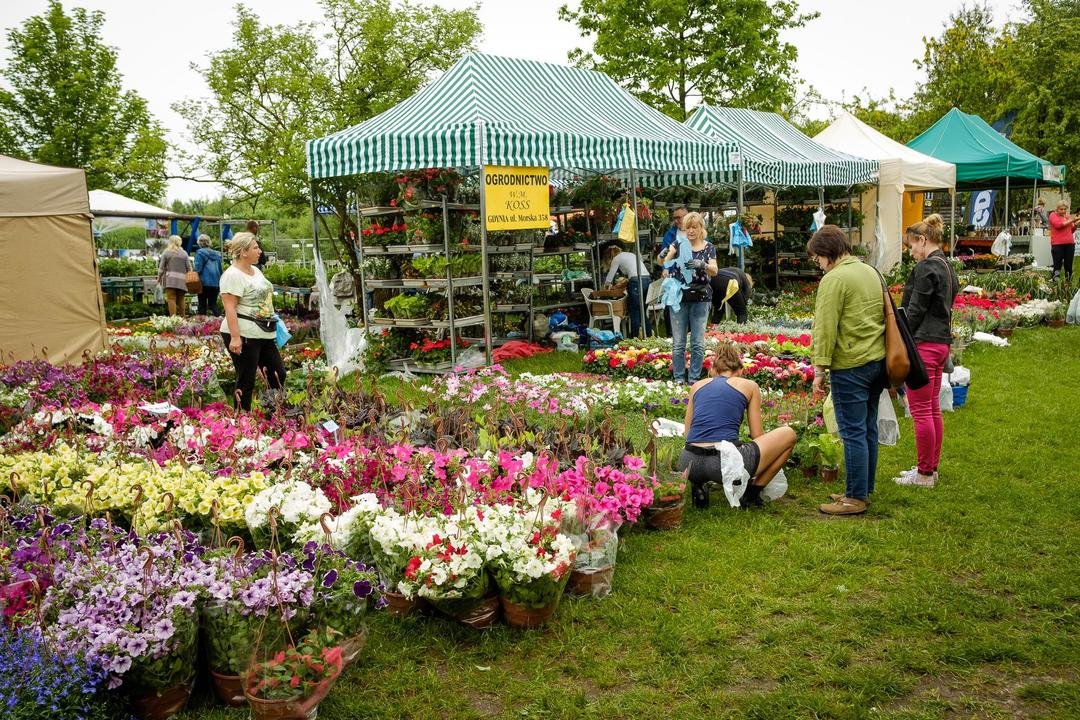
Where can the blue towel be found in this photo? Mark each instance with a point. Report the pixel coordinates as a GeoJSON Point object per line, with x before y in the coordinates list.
{"type": "Point", "coordinates": [283, 333]}
{"type": "Point", "coordinates": [739, 237]}
{"type": "Point", "coordinates": [671, 293]}
{"type": "Point", "coordinates": [685, 256]}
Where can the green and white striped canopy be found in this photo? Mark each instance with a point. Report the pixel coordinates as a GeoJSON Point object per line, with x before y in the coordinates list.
{"type": "Point", "coordinates": [776, 154]}
{"type": "Point", "coordinates": [489, 110]}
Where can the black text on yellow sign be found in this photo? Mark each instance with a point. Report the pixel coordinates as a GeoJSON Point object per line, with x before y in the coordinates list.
{"type": "Point", "coordinates": [516, 198]}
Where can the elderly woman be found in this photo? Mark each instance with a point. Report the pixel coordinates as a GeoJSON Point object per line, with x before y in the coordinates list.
{"type": "Point", "coordinates": [173, 266]}
{"type": "Point", "coordinates": [249, 328]}
{"type": "Point", "coordinates": [714, 414]}
{"type": "Point", "coordinates": [1062, 245]}
{"type": "Point", "coordinates": [208, 265]}
{"type": "Point", "coordinates": [696, 264]}
{"type": "Point", "coordinates": [849, 345]}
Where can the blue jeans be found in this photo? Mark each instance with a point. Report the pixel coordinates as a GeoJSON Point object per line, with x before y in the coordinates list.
{"type": "Point", "coordinates": [638, 288]}
{"type": "Point", "coordinates": [691, 317]}
{"type": "Point", "coordinates": [856, 392]}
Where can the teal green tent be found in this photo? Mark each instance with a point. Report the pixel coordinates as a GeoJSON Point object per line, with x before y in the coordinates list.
{"type": "Point", "coordinates": [489, 110]}
{"type": "Point", "coordinates": [983, 157]}
{"type": "Point", "coordinates": [776, 154]}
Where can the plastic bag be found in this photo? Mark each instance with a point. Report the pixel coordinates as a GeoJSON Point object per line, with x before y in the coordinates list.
{"type": "Point", "coordinates": [828, 414]}
{"type": "Point", "coordinates": [945, 396]}
{"type": "Point", "coordinates": [888, 427]}
{"type": "Point", "coordinates": [565, 340]}
{"type": "Point", "coordinates": [1073, 315]}
{"type": "Point", "coordinates": [597, 544]}
{"type": "Point", "coordinates": [776, 487]}
{"type": "Point", "coordinates": [628, 227]}
{"type": "Point", "coordinates": [960, 376]}
{"type": "Point", "coordinates": [665, 427]}
{"type": "Point", "coordinates": [471, 357]}
{"type": "Point", "coordinates": [733, 472]}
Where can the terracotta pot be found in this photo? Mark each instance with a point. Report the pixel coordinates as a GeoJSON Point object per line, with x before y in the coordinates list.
{"type": "Point", "coordinates": [149, 704]}
{"type": "Point", "coordinates": [525, 617]}
{"type": "Point", "coordinates": [229, 689]}
{"type": "Point", "coordinates": [352, 645]}
{"type": "Point", "coordinates": [811, 471]}
{"type": "Point", "coordinates": [667, 514]}
{"type": "Point", "coordinates": [596, 583]}
{"type": "Point", "coordinates": [830, 474]}
{"type": "Point", "coordinates": [1004, 332]}
{"type": "Point", "coordinates": [400, 606]}
{"type": "Point", "coordinates": [1056, 323]}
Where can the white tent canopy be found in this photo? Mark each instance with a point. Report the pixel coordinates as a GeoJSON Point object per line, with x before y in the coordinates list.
{"type": "Point", "coordinates": [112, 210]}
{"type": "Point", "coordinates": [901, 170]}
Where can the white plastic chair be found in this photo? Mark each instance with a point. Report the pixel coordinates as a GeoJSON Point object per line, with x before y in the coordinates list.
{"type": "Point", "coordinates": [616, 321]}
{"type": "Point", "coordinates": [653, 305]}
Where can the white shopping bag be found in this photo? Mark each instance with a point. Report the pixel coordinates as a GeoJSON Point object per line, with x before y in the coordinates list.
{"type": "Point", "coordinates": [888, 428]}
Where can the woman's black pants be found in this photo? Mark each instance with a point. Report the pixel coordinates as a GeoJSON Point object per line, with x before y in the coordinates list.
{"type": "Point", "coordinates": [255, 354]}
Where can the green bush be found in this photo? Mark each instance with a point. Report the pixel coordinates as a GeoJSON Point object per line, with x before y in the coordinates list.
{"type": "Point", "coordinates": [118, 310]}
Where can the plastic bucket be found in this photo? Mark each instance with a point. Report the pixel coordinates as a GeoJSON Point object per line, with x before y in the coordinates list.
{"type": "Point", "coordinates": [959, 395]}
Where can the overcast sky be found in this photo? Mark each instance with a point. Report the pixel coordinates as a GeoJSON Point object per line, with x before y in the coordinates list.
{"type": "Point", "coordinates": [854, 45]}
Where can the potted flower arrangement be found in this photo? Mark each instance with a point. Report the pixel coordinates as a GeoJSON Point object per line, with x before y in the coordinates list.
{"type": "Point", "coordinates": [669, 489]}
{"type": "Point", "coordinates": [245, 599]}
{"type": "Point", "coordinates": [434, 354]}
{"type": "Point", "coordinates": [297, 504]}
{"type": "Point", "coordinates": [828, 453]}
{"type": "Point", "coordinates": [1055, 314]}
{"type": "Point", "coordinates": [1006, 324]}
{"type": "Point", "coordinates": [394, 539]}
{"type": "Point", "coordinates": [533, 567]}
{"type": "Point", "coordinates": [289, 684]}
{"type": "Point", "coordinates": [131, 607]}
{"type": "Point", "coordinates": [448, 571]}
{"type": "Point", "coordinates": [344, 591]}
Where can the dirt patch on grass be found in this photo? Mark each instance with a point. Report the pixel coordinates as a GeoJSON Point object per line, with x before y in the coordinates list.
{"type": "Point", "coordinates": [988, 690]}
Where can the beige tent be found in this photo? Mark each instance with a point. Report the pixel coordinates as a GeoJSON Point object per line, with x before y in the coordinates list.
{"type": "Point", "coordinates": [50, 297]}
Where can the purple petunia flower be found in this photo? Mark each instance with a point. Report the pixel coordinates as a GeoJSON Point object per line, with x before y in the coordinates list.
{"type": "Point", "coordinates": [329, 579]}
{"type": "Point", "coordinates": [361, 588]}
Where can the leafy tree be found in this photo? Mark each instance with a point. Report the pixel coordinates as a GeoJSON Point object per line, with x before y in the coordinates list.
{"type": "Point", "coordinates": [674, 53]}
{"type": "Point", "coordinates": [66, 106]}
{"type": "Point", "coordinates": [968, 66]}
{"type": "Point", "coordinates": [272, 90]}
{"type": "Point", "coordinates": [1046, 95]}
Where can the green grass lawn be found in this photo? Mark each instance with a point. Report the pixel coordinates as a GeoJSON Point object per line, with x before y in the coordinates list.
{"type": "Point", "coordinates": [955, 602]}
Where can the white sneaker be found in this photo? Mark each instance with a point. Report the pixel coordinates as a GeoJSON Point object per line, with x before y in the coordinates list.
{"type": "Point", "coordinates": [906, 476]}
{"type": "Point", "coordinates": [917, 479]}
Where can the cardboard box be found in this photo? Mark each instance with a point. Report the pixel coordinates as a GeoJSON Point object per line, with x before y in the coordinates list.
{"type": "Point", "coordinates": [618, 307]}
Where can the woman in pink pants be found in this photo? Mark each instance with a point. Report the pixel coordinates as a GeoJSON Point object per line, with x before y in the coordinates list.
{"type": "Point", "coordinates": [928, 299]}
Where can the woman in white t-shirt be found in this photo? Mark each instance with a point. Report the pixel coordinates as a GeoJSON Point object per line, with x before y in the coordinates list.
{"type": "Point", "coordinates": [633, 268]}
{"type": "Point", "coordinates": [248, 299]}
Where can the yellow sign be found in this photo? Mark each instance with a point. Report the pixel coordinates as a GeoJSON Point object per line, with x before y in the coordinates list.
{"type": "Point", "coordinates": [516, 198]}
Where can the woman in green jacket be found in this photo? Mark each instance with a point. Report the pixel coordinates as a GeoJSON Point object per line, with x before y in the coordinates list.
{"type": "Point", "coordinates": [849, 345]}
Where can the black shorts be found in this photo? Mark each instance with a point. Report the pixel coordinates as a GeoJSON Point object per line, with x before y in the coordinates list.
{"type": "Point", "coordinates": [706, 461]}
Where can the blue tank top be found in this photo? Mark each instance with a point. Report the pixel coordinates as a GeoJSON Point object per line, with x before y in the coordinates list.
{"type": "Point", "coordinates": [718, 412]}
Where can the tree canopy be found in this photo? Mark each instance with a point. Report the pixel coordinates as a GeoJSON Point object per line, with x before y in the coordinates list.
{"type": "Point", "coordinates": [674, 54]}
{"type": "Point", "coordinates": [66, 106]}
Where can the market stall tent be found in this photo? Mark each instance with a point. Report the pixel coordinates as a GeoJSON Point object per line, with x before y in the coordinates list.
{"type": "Point", "coordinates": [50, 300]}
{"type": "Point", "coordinates": [113, 210]}
{"type": "Point", "coordinates": [776, 154]}
{"type": "Point", "coordinates": [983, 157]}
{"type": "Point", "coordinates": [490, 110]}
{"type": "Point", "coordinates": [901, 170]}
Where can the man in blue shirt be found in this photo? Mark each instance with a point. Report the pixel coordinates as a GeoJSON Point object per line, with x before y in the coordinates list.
{"type": "Point", "coordinates": [672, 233]}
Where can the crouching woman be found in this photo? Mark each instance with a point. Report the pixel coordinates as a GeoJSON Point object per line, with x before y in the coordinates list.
{"type": "Point", "coordinates": [714, 414]}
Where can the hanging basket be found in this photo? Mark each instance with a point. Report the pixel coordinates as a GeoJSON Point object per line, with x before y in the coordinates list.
{"type": "Point", "coordinates": [400, 606]}
{"type": "Point", "coordinates": [594, 582]}
{"type": "Point", "coordinates": [479, 614]}
{"type": "Point", "coordinates": [666, 513]}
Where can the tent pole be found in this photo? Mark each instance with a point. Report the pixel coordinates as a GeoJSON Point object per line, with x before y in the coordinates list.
{"type": "Point", "coordinates": [739, 208]}
{"type": "Point", "coordinates": [637, 252]}
{"type": "Point", "coordinates": [360, 260]}
{"type": "Point", "coordinates": [952, 224]}
{"type": "Point", "coordinates": [485, 279]}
